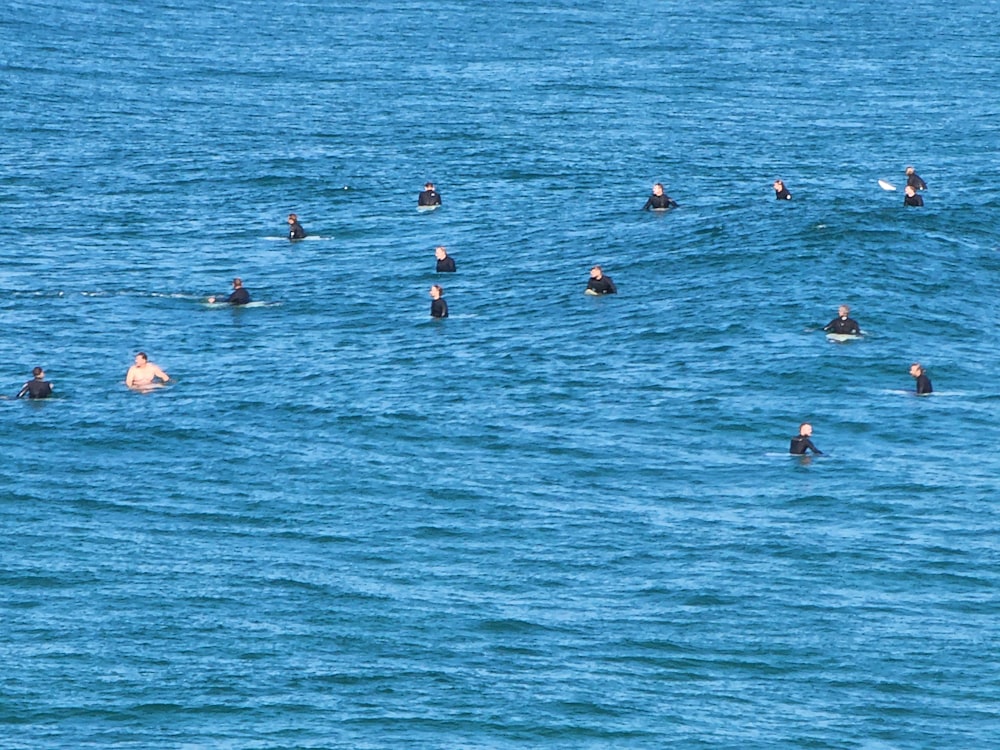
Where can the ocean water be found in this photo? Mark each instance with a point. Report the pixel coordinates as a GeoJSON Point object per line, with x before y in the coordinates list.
{"type": "Point", "coordinates": [550, 520]}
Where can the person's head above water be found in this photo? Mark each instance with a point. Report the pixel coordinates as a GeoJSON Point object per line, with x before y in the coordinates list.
{"type": "Point", "coordinates": [805, 429]}
{"type": "Point", "coordinates": [440, 252]}
{"type": "Point", "coordinates": [658, 188]}
{"type": "Point", "coordinates": [436, 291]}
{"type": "Point", "coordinates": [596, 272]}
{"type": "Point", "coordinates": [38, 372]}
{"type": "Point", "coordinates": [843, 311]}
{"type": "Point", "coordinates": [916, 369]}
{"type": "Point", "coordinates": [237, 283]}
{"type": "Point", "coordinates": [779, 185]}
{"type": "Point", "coordinates": [909, 170]}
{"type": "Point", "coordinates": [428, 186]}
{"type": "Point", "coordinates": [910, 190]}
{"type": "Point", "coordinates": [292, 218]}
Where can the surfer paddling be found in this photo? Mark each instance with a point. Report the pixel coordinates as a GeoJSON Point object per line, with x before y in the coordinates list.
{"type": "Point", "coordinates": [842, 323]}
{"type": "Point", "coordinates": [143, 374]}
{"type": "Point", "coordinates": [659, 201]}
{"type": "Point", "coordinates": [802, 443]}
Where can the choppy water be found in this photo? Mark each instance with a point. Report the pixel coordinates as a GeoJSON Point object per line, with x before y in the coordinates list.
{"type": "Point", "coordinates": [550, 520]}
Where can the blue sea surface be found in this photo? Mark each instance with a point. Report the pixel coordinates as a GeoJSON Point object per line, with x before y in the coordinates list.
{"type": "Point", "coordinates": [550, 520]}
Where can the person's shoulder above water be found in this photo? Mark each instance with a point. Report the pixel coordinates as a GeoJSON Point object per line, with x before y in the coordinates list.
{"type": "Point", "coordinates": [37, 387]}
{"type": "Point", "coordinates": [599, 283]}
{"type": "Point", "coordinates": [445, 263]}
{"type": "Point", "coordinates": [659, 200]}
{"type": "Point", "coordinates": [802, 442]}
{"type": "Point", "coordinates": [295, 230]}
{"type": "Point", "coordinates": [781, 192]}
{"type": "Point", "coordinates": [429, 196]}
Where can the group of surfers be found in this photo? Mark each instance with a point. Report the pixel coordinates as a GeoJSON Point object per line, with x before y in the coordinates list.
{"type": "Point", "coordinates": [144, 375]}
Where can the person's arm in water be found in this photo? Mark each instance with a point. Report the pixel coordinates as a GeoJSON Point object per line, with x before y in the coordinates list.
{"type": "Point", "coordinates": [829, 326]}
{"type": "Point", "coordinates": [612, 289]}
{"type": "Point", "coordinates": [24, 390]}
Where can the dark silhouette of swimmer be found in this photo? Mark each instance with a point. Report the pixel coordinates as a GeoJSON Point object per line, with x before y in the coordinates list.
{"type": "Point", "coordinates": [912, 199]}
{"type": "Point", "coordinates": [842, 323]}
{"type": "Point", "coordinates": [914, 180]}
{"type": "Point", "coordinates": [429, 196]}
{"type": "Point", "coordinates": [295, 230]}
{"type": "Point", "coordinates": [599, 283]}
{"type": "Point", "coordinates": [240, 296]}
{"type": "Point", "coordinates": [923, 382]}
{"type": "Point", "coordinates": [37, 387]}
{"type": "Point", "coordinates": [659, 200]}
{"type": "Point", "coordinates": [445, 263]}
{"type": "Point", "coordinates": [439, 308]}
{"type": "Point", "coordinates": [781, 192]}
{"type": "Point", "coordinates": [801, 442]}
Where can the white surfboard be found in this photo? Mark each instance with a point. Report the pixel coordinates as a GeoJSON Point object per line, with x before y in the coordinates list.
{"type": "Point", "coordinates": [842, 337]}
{"type": "Point", "coordinates": [591, 292]}
{"type": "Point", "coordinates": [427, 209]}
{"type": "Point", "coordinates": [886, 185]}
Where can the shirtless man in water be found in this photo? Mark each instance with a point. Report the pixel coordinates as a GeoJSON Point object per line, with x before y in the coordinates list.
{"type": "Point", "coordinates": [143, 373]}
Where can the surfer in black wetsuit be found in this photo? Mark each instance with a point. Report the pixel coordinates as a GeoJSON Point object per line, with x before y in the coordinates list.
{"type": "Point", "coordinates": [914, 180]}
{"type": "Point", "coordinates": [240, 296]}
{"type": "Point", "coordinates": [923, 382]}
{"type": "Point", "coordinates": [801, 442]}
{"type": "Point", "coordinates": [430, 196]}
{"type": "Point", "coordinates": [295, 230]}
{"type": "Point", "coordinates": [912, 199]}
{"type": "Point", "coordinates": [599, 283]}
{"type": "Point", "coordinates": [445, 263]}
{"type": "Point", "coordinates": [439, 308]}
{"type": "Point", "coordinates": [659, 200]}
{"type": "Point", "coordinates": [38, 387]}
{"type": "Point", "coordinates": [842, 323]}
{"type": "Point", "coordinates": [781, 192]}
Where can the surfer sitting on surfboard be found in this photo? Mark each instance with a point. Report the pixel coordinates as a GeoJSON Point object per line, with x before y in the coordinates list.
{"type": "Point", "coordinates": [599, 283]}
{"type": "Point", "coordinates": [659, 200]}
{"type": "Point", "coordinates": [842, 323]}
{"type": "Point", "coordinates": [430, 196]}
{"type": "Point", "coordinates": [295, 230]}
{"type": "Point", "coordinates": [801, 442]}
{"type": "Point", "coordinates": [923, 382]}
{"type": "Point", "coordinates": [439, 308]}
{"type": "Point", "coordinates": [445, 263]}
{"type": "Point", "coordinates": [912, 199]}
{"type": "Point", "coordinates": [240, 296]}
{"type": "Point", "coordinates": [142, 374]}
{"type": "Point", "coordinates": [914, 181]}
{"type": "Point", "coordinates": [781, 192]}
